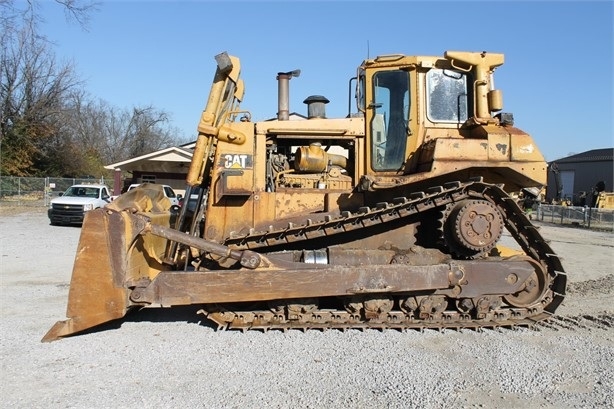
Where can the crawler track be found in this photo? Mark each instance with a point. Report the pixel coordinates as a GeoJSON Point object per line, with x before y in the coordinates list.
{"type": "Point", "coordinates": [398, 311]}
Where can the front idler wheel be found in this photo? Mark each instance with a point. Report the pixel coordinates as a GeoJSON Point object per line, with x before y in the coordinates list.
{"type": "Point", "coordinates": [533, 289]}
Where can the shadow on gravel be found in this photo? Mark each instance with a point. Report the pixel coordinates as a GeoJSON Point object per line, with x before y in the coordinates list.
{"type": "Point", "coordinates": [184, 313]}
{"type": "Point", "coordinates": [187, 314]}
{"type": "Point", "coordinates": [65, 226]}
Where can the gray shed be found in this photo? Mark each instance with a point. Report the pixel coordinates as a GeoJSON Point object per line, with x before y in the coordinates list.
{"type": "Point", "coordinates": [576, 177]}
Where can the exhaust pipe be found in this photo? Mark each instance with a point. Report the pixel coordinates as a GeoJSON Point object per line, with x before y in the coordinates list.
{"type": "Point", "coordinates": [283, 93]}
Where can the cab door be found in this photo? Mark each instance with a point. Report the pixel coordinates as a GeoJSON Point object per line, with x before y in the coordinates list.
{"type": "Point", "coordinates": [388, 106]}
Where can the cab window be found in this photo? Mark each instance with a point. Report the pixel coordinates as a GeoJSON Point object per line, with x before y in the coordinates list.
{"type": "Point", "coordinates": [390, 119]}
{"type": "Point", "coordinates": [360, 91]}
{"type": "Point", "coordinates": [446, 96]}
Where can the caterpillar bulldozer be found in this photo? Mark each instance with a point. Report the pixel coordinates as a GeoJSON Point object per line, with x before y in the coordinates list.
{"type": "Point", "coordinates": [388, 218]}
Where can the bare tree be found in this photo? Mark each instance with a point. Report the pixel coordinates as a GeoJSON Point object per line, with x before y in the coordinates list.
{"type": "Point", "coordinates": [108, 134]}
{"type": "Point", "coordinates": [79, 10]}
{"type": "Point", "coordinates": [32, 89]}
{"type": "Point", "coordinates": [15, 14]}
{"type": "Point", "coordinates": [48, 124]}
{"type": "Point", "coordinates": [32, 85]}
{"type": "Point", "coordinates": [148, 131]}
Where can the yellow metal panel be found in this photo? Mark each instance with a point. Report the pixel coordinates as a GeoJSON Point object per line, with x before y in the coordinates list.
{"type": "Point", "coordinates": [498, 146]}
{"type": "Point", "coordinates": [323, 128]}
{"type": "Point", "coordinates": [524, 148]}
{"type": "Point", "coordinates": [297, 203]}
{"type": "Point", "coordinates": [264, 208]}
{"type": "Point", "coordinates": [230, 214]}
{"type": "Point", "coordinates": [260, 163]}
{"type": "Point", "coordinates": [461, 149]}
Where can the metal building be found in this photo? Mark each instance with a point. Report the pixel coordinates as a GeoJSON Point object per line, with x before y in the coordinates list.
{"type": "Point", "coordinates": [575, 178]}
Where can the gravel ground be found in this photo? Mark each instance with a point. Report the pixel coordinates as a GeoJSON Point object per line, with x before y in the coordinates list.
{"type": "Point", "coordinates": [159, 358]}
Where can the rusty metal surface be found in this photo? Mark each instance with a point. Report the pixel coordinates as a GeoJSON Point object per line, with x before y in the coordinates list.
{"type": "Point", "coordinates": [461, 278]}
{"type": "Point", "coordinates": [474, 226]}
{"type": "Point", "coordinates": [96, 294]}
{"type": "Point", "coordinates": [198, 287]}
{"type": "Point", "coordinates": [529, 297]}
{"type": "Point", "coordinates": [113, 253]}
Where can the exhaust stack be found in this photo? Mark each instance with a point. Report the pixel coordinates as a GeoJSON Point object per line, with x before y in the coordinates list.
{"type": "Point", "coordinates": [283, 93]}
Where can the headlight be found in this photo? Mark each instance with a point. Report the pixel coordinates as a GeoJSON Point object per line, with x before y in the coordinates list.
{"type": "Point", "coordinates": [87, 207]}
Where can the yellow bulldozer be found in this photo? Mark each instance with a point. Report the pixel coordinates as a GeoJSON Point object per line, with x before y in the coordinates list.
{"type": "Point", "coordinates": [389, 217]}
{"type": "Point", "coordinates": [605, 200]}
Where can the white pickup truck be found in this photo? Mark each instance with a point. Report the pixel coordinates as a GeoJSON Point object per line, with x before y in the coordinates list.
{"type": "Point", "coordinates": [71, 206]}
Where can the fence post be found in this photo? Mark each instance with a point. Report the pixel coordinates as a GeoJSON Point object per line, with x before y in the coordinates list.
{"type": "Point", "coordinates": [47, 192]}
{"type": "Point", "coordinates": [590, 215]}
{"type": "Point", "coordinates": [552, 214]}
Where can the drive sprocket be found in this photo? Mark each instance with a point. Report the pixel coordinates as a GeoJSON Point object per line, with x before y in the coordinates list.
{"type": "Point", "coordinates": [472, 228]}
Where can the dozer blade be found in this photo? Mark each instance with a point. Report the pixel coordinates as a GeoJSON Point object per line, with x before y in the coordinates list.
{"type": "Point", "coordinates": [93, 297]}
{"type": "Point", "coordinates": [110, 254]}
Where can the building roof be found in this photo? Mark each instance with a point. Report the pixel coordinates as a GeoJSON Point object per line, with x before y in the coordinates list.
{"type": "Point", "coordinates": [594, 155]}
{"type": "Point", "coordinates": [172, 154]}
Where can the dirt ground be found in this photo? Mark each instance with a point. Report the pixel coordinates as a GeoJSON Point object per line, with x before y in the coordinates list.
{"type": "Point", "coordinates": [170, 359]}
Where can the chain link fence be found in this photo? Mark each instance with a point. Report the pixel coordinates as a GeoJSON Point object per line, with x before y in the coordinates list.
{"type": "Point", "coordinates": [29, 191]}
{"type": "Point", "coordinates": [580, 216]}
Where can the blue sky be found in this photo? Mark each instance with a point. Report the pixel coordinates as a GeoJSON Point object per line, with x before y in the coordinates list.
{"type": "Point", "coordinates": [557, 79]}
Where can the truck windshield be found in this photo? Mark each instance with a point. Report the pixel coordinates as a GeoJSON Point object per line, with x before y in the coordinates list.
{"type": "Point", "coordinates": [169, 192]}
{"type": "Point", "coordinates": [82, 191]}
{"type": "Point", "coordinates": [390, 118]}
